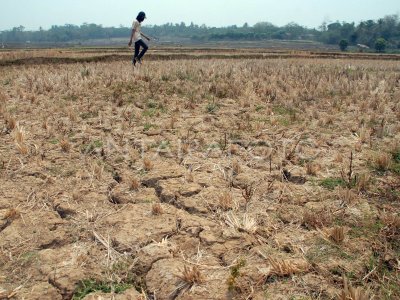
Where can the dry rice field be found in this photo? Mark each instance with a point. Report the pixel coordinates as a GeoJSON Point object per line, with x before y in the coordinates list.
{"type": "Point", "coordinates": [200, 179]}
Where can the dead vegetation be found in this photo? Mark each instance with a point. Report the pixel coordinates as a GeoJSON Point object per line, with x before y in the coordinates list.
{"type": "Point", "coordinates": [190, 167]}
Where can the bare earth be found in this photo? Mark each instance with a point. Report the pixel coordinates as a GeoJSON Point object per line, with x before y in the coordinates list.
{"type": "Point", "coordinates": [200, 179]}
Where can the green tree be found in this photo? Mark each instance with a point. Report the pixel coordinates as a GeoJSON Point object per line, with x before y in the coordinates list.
{"type": "Point", "coordinates": [380, 45]}
{"type": "Point", "coordinates": [343, 44]}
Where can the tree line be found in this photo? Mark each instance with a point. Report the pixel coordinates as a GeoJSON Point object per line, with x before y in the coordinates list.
{"type": "Point", "coordinates": [368, 33]}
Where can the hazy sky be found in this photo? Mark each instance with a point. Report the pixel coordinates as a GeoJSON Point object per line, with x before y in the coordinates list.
{"type": "Point", "coordinates": [35, 13]}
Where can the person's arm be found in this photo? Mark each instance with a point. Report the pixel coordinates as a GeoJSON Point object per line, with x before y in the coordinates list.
{"type": "Point", "coordinates": [146, 37]}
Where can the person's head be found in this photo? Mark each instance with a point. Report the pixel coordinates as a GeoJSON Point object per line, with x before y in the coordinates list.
{"type": "Point", "coordinates": [141, 16]}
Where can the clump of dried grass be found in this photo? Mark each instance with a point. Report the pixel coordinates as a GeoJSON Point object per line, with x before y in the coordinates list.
{"type": "Point", "coordinates": [236, 169]}
{"type": "Point", "coordinates": [20, 140]}
{"type": "Point", "coordinates": [156, 209]}
{"type": "Point", "coordinates": [350, 293]}
{"type": "Point", "coordinates": [382, 161]}
{"type": "Point", "coordinates": [316, 219]}
{"type": "Point", "coordinates": [391, 229]}
{"type": "Point", "coordinates": [147, 164]}
{"type": "Point", "coordinates": [65, 145]}
{"type": "Point", "coordinates": [337, 234]}
{"type": "Point", "coordinates": [284, 267]}
{"type": "Point", "coordinates": [191, 276]}
{"type": "Point", "coordinates": [241, 224]}
{"type": "Point", "coordinates": [134, 184]}
{"type": "Point", "coordinates": [189, 176]}
{"type": "Point", "coordinates": [233, 149]}
{"type": "Point", "coordinates": [226, 202]}
{"type": "Point", "coordinates": [338, 158]}
{"type": "Point", "coordinates": [3, 97]}
{"type": "Point", "coordinates": [11, 214]}
{"type": "Point", "coordinates": [346, 196]}
{"type": "Point", "coordinates": [11, 122]}
{"type": "Point", "coordinates": [312, 168]}
{"type": "Point", "coordinates": [363, 182]}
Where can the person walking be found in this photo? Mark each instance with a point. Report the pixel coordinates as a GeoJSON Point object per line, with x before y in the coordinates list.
{"type": "Point", "coordinates": [136, 36]}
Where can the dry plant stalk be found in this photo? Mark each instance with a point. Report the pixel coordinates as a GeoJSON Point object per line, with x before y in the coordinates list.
{"type": "Point", "coordinates": [348, 177]}
{"type": "Point", "coordinates": [248, 192]}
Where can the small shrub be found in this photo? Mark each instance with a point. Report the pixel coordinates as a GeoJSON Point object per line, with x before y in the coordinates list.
{"type": "Point", "coordinates": [235, 273]}
{"type": "Point", "coordinates": [86, 287]}
{"type": "Point", "coordinates": [343, 44]}
{"type": "Point", "coordinates": [211, 107]}
{"type": "Point", "coordinates": [380, 45]}
{"type": "Point", "coordinates": [332, 183]}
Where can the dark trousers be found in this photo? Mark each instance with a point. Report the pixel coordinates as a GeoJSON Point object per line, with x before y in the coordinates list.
{"type": "Point", "coordinates": [139, 44]}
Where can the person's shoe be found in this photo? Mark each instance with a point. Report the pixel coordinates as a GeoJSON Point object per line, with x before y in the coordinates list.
{"type": "Point", "coordinates": [134, 62]}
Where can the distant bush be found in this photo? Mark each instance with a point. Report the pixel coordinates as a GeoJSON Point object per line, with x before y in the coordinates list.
{"type": "Point", "coordinates": [343, 44]}
{"type": "Point", "coordinates": [380, 45]}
